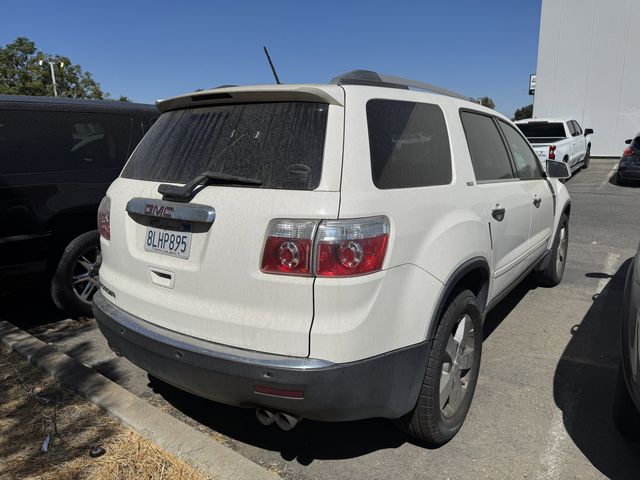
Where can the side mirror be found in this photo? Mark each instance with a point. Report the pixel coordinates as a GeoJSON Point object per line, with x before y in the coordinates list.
{"type": "Point", "coordinates": [558, 169]}
{"type": "Point", "coordinates": [628, 141]}
{"type": "Point", "coordinates": [588, 131]}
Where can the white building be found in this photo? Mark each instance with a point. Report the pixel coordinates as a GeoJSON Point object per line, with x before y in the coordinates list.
{"type": "Point", "coordinates": [589, 68]}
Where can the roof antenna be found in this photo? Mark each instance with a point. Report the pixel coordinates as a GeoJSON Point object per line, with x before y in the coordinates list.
{"type": "Point", "coordinates": [273, 69]}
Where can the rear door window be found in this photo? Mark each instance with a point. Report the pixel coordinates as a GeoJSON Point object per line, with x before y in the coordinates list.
{"type": "Point", "coordinates": [408, 143]}
{"type": "Point", "coordinates": [58, 141]}
{"type": "Point", "coordinates": [488, 153]}
{"type": "Point", "coordinates": [281, 144]}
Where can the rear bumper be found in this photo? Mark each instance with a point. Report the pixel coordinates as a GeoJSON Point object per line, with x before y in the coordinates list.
{"type": "Point", "coordinates": [629, 173]}
{"type": "Point", "coordinates": [382, 386]}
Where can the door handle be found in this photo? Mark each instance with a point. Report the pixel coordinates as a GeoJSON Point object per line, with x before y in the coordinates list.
{"type": "Point", "coordinates": [498, 213]}
{"type": "Point", "coordinates": [537, 201]}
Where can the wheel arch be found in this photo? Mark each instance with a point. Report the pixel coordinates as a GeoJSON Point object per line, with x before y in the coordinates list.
{"type": "Point", "coordinates": [65, 227]}
{"type": "Point", "coordinates": [474, 275]}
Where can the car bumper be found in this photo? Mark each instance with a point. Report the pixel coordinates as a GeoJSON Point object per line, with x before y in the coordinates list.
{"type": "Point", "coordinates": [629, 173]}
{"type": "Point", "coordinates": [382, 386]}
{"type": "Point", "coordinates": [631, 335]}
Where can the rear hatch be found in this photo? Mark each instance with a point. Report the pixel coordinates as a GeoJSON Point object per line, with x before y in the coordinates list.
{"type": "Point", "coordinates": [192, 265]}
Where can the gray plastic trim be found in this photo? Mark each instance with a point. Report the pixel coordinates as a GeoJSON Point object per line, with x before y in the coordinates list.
{"type": "Point", "coordinates": [190, 212]}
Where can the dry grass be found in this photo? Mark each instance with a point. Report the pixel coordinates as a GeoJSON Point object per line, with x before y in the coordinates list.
{"type": "Point", "coordinates": [33, 406]}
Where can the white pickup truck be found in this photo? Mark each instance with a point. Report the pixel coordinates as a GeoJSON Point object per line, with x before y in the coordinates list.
{"type": "Point", "coordinates": [562, 140]}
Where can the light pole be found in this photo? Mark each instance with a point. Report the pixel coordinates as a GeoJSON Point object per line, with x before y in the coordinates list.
{"type": "Point", "coordinates": [53, 75]}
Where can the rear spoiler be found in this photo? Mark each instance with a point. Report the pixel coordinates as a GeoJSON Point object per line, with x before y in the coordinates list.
{"type": "Point", "coordinates": [330, 94]}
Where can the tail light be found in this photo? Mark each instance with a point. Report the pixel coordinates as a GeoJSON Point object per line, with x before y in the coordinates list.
{"type": "Point", "coordinates": [552, 152]}
{"type": "Point", "coordinates": [351, 247]}
{"type": "Point", "coordinates": [330, 248]}
{"type": "Point", "coordinates": [287, 249]}
{"type": "Point", "coordinates": [104, 218]}
{"type": "Point", "coordinates": [627, 152]}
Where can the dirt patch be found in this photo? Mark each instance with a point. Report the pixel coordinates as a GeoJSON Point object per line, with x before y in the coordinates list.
{"type": "Point", "coordinates": [37, 414]}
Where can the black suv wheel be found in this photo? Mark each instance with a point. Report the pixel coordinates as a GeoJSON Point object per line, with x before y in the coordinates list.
{"type": "Point", "coordinates": [76, 278]}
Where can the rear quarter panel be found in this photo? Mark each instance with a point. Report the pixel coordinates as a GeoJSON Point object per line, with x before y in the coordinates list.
{"type": "Point", "coordinates": [433, 231]}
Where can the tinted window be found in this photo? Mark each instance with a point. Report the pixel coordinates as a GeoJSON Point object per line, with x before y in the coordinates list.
{"type": "Point", "coordinates": [488, 153]}
{"type": "Point", "coordinates": [279, 143]}
{"type": "Point", "coordinates": [527, 165]}
{"type": "Point", "coordinates": [572, 129]}
{"type": "Point", "coordinates": [49, 141]}
{"type": "Point", "coordinates": [409, 144]}
{"type": "Point", "coordinates": [533, 130]}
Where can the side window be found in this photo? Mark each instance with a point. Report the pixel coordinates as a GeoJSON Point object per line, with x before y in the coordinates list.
{"type": "Point", "coordinates": [577, 128]}
{"type": "Point", "coordinates": [49, 141]}
{"type": "Point", "coordinates": [409, 144]}
{"type": "Point", "coordinates": [527, 164]}
{"type": "Point", "coordinates": [572, 129]}
{"type": "Point", "coordinates": [488, 153]}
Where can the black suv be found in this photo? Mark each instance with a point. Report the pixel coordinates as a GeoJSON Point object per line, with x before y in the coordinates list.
{"type": "Point", "coordinates": [57, 158]}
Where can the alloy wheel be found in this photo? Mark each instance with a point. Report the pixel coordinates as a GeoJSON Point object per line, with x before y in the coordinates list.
{"type": "Point", "coordinates": [457, 366]}
{"type": "Point", "coordinates": [561, 255]}
{"type": "Point", "coordinates": [85, 280]}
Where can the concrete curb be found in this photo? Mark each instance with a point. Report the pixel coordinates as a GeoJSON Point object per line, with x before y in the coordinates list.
{"type": "Point", "coordinates": [167, 432]}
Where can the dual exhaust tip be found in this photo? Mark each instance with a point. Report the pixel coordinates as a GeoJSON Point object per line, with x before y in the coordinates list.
{"type": "Point", "coordinates": [284, 421]}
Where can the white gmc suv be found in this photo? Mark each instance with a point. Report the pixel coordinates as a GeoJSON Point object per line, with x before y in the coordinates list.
{"type": "Point", "coordinates": [325, 251]}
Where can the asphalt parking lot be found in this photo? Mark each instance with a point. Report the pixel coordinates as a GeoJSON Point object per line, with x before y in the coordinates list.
{"type": "Point", "coordinates": [543, 404]}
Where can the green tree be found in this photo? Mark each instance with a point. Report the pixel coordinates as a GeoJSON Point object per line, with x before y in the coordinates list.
{"type": "Point", "coordinates": [21, 73]}
{"type": "Point", "coordinates": [487, 102]}
{"type": "Point", "coordinates": [524, 112]}
{"type": "Point", "coordinates": [124, 98]}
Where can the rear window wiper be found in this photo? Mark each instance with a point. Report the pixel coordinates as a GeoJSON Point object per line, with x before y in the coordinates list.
{"type": "Point", "coordinates": [185, 192]}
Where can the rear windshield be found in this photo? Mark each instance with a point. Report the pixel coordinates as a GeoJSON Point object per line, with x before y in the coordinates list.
{"type": "Point", "coordinates": [280, 144]}
{"type": "Point", "coordinates": [542, 130]}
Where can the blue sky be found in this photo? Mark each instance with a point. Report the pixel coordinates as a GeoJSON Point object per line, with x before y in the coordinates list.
{"type": "Point", "coordinates": [150, 50]}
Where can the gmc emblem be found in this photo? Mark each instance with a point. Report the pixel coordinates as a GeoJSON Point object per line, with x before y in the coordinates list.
{"type": "Point", "coordinates": [158, 210]}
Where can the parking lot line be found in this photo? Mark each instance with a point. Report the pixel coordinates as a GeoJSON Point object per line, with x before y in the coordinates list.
{"type": "Point", "coordinates": [606, 180]}
{"type": "Point", "coordinates": [551, 458]}
{"type": "Point", "coordinates": [610, 265]}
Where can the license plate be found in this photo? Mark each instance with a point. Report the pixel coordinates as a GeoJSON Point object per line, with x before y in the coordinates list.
{"type": "Point", "coordinates": [168, 242]}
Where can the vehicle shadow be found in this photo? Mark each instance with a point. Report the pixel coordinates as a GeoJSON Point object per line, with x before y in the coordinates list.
{"type": "Point", "coordinates": [29, 307]}
{"type": "Point", "coordinates": [585, 379]}
{"type": "Point", "coordinates": [503, 309]}
{"type": "Point", "coordinates": [632, 185]}
{"type": "Point", "coordinates": [310, 440]}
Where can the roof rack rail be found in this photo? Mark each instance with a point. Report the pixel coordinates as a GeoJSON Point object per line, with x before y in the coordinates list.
{"type": "Point", "coordinates": [375, 79]}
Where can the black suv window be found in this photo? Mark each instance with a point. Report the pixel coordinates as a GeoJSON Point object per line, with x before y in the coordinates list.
{"type": "Point", "coordinates": [488, 152]}
{"type": "Point", "coordinates": [281, 144]}
{"type": "Point", "coordinates": [57, 141]}
{"type": "Point", "coordinates": [408, 143]}
{"type": "Point", "coordinates": [527, 165]}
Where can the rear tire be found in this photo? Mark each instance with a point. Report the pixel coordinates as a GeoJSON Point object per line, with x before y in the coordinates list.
{"type": "Point", "coordinates": [552, 274]}
{"type": "Point", "coordinates": [625, 415]}
{"type": "Point", "coordinates": [75, 280]}
{"type": "Point", "coordinates": [451, 376]}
